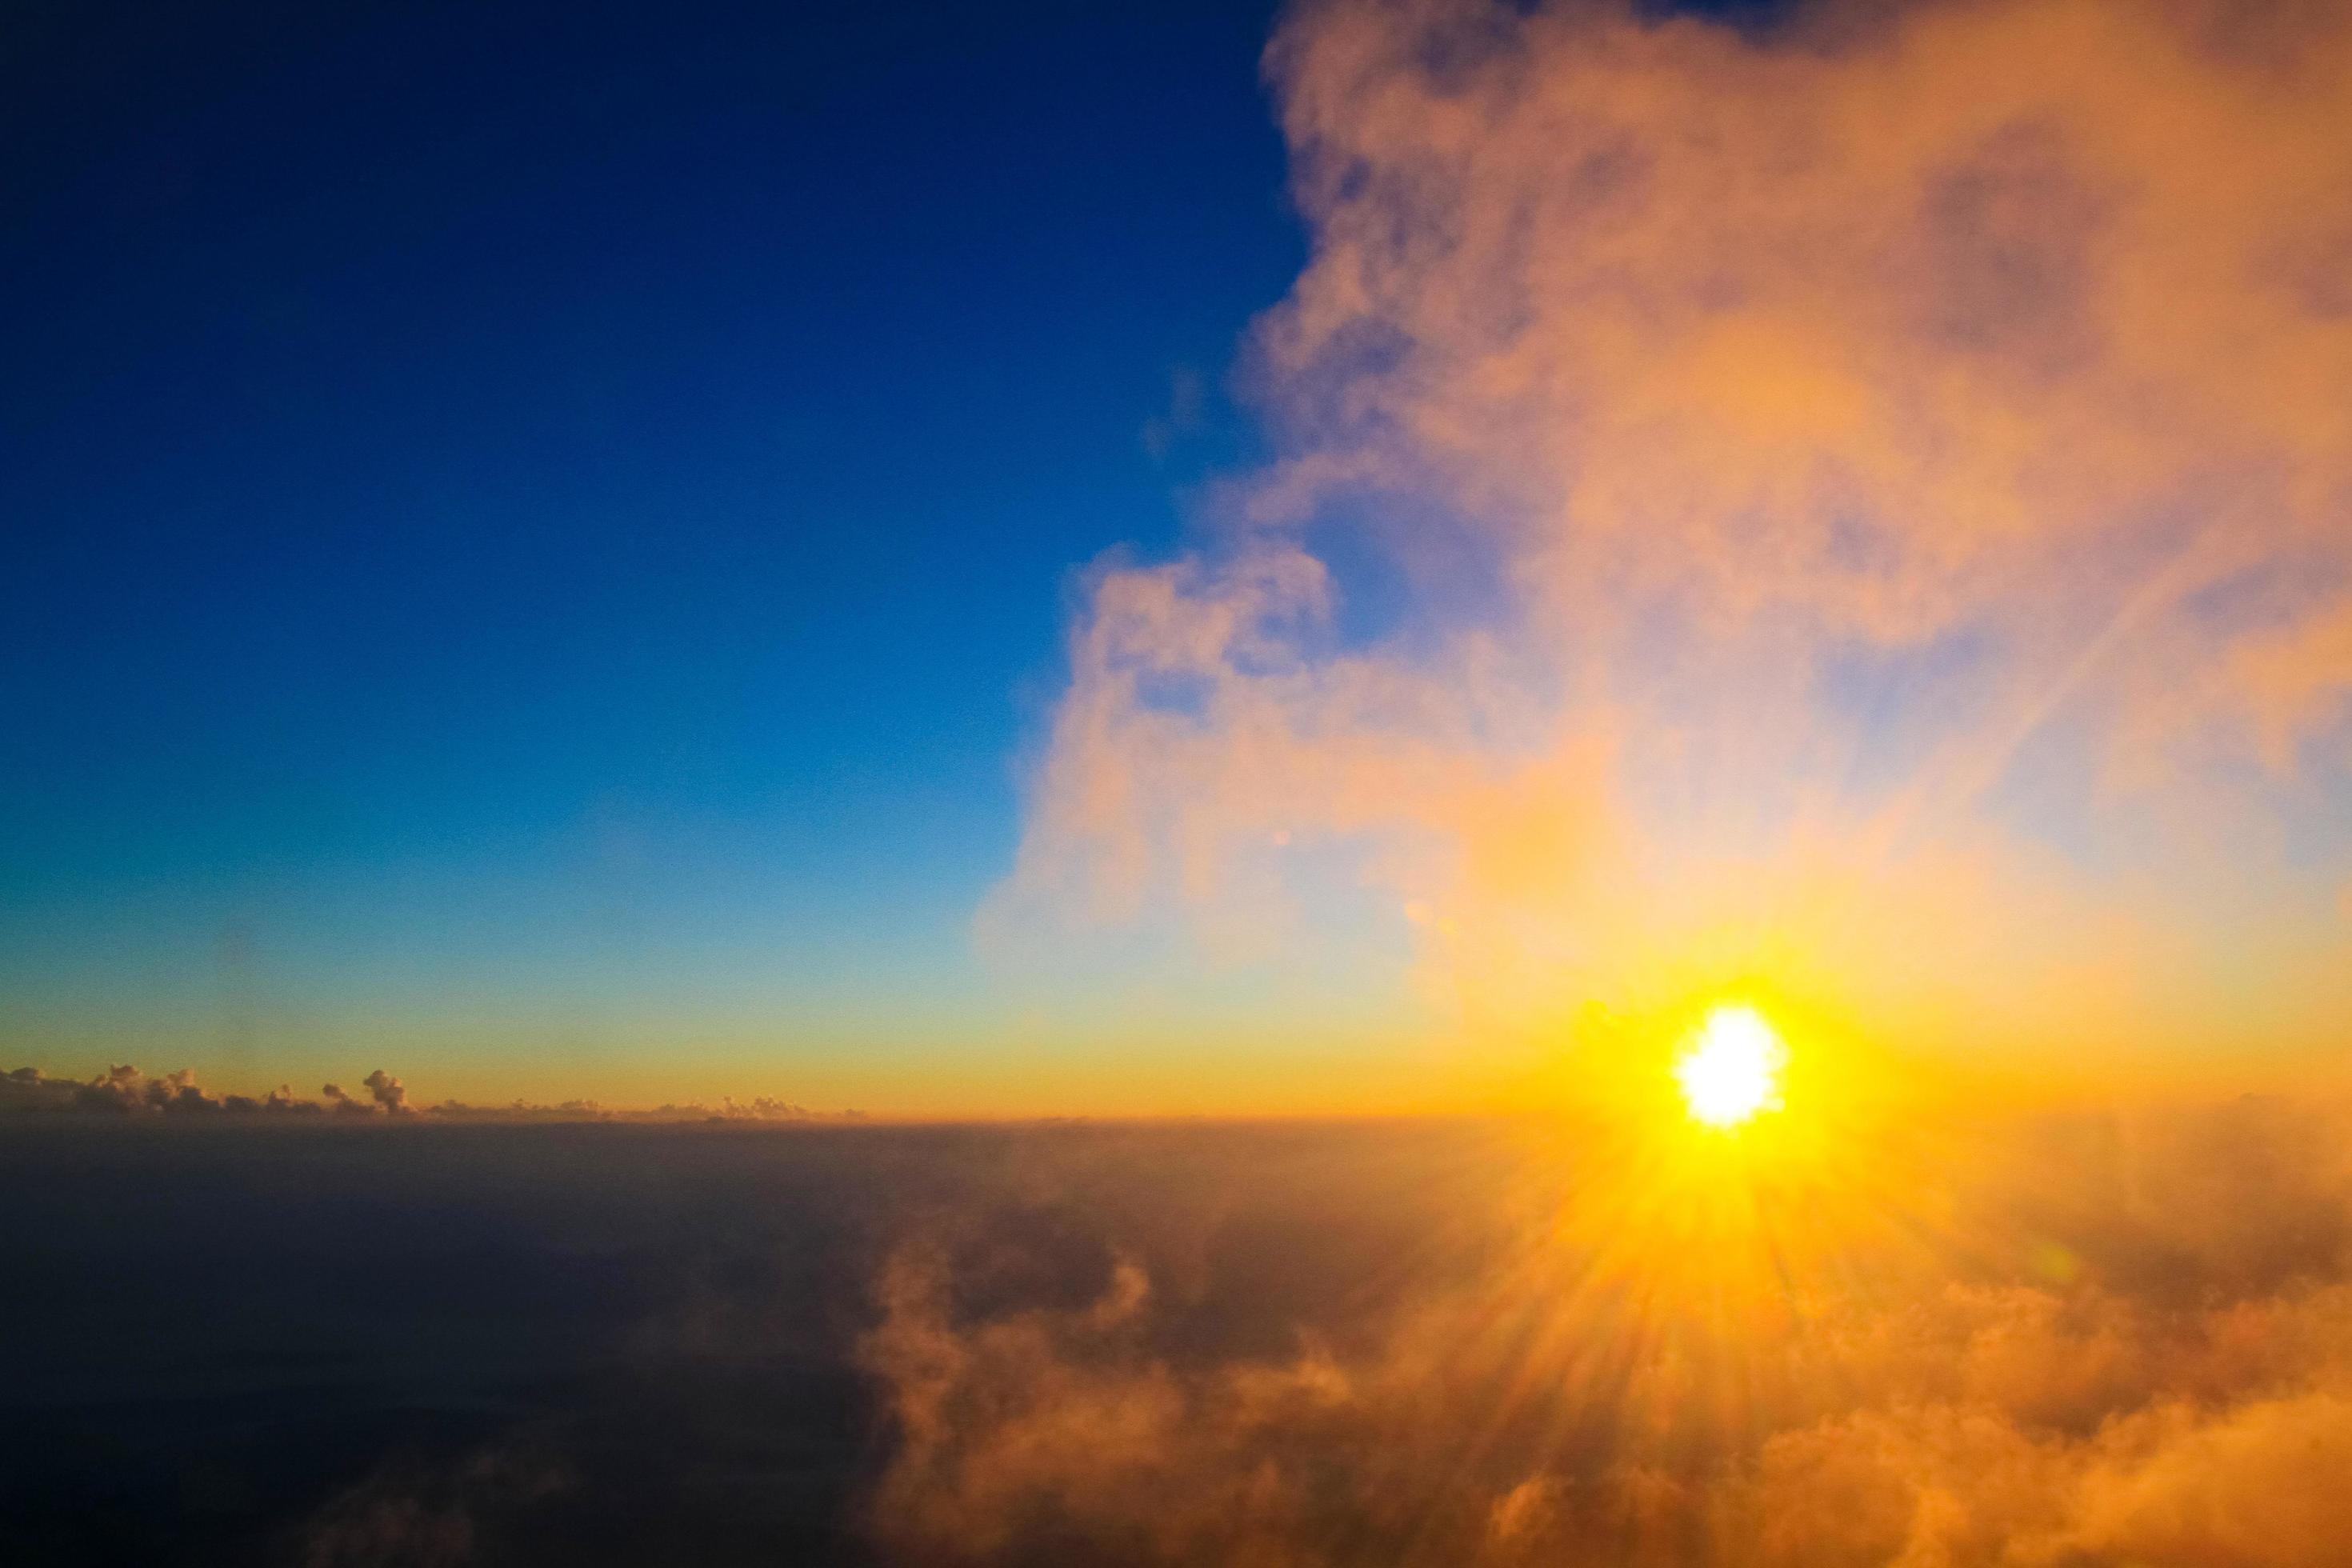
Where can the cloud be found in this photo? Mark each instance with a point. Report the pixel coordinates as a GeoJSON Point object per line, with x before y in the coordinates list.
{"type": "Point", "coordinates": [2090, 1361]}
{"type": "Point", "coordinates": [418, 1515]}
{"type": "Point", "coordinates": [388, 1093]}
{"type": "Point", "coordinates": [123, 1090]}
{"type": "Point", "coordinates": [119, 1090]}
{"type": "Point", "coordinates": [1881, 472]}
{"type": "Point", "coordinates": [2058, 1340]}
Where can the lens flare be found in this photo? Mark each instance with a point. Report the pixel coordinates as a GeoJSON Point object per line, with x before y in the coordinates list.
{"type": "Point", "coordinates": [1732, 1069]}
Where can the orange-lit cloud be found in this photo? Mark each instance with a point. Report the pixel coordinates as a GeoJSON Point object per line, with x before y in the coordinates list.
{"type": "Point", "coordinates": [2102, 1341]}
{"type": "Point", "coordinates": [1872, 503]}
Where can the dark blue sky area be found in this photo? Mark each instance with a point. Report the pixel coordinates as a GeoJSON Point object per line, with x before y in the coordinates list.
{"type": "Point", "coordinates": [429, 429]}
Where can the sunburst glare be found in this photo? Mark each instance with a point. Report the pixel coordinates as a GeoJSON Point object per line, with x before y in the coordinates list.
{"type": "Point", "coordinates": [1732, 1069]}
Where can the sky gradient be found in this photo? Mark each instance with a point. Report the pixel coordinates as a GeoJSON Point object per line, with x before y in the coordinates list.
{"type": "Point", "coordinates": [990, 563]}
{"type": "Point", "coordinates": [545, 574]}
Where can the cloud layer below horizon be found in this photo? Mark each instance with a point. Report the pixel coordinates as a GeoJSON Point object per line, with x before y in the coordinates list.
{"type": "Point", "coordinates": [2092, 1341]}
{"type": "Point", "coordinates": [1859, 506]}
{"type": "Point", "coordinates": [2062, 1341]}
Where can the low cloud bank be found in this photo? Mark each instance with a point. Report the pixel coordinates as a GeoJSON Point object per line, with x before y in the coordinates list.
{"type": "Point", "coordinates": [123, 1090]}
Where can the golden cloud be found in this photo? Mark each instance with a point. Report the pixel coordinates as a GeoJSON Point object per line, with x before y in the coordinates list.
{"type": "Point", "coordinates": [1887, 472]}
{"type": "Point", "coordinates": [2099, 1341]}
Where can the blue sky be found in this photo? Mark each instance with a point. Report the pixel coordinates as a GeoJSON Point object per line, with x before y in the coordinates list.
{"type": "Point", "coordinates": [555, 502]}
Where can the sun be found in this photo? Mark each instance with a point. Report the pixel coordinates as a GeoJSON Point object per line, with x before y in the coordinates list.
{"type": "Point", "coordinates": [1731, 1069]}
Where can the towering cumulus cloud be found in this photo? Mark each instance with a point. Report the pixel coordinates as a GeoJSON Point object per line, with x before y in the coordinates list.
{"type": "Point", "coordinates": [1866, 498]}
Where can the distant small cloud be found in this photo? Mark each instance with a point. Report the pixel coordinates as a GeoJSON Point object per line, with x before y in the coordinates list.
{"type": "Point", "coordinates": [389, 1093]}
{"type": "Point", "coordinates": [123, 1090]}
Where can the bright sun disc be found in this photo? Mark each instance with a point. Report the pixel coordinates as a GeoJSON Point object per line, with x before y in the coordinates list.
{"type": "Point", "coordinates": [1732, 1069]}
